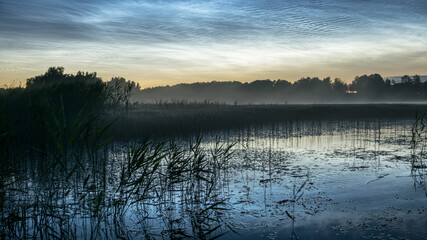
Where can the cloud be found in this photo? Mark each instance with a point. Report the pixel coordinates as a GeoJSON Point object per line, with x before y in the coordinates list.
{"type": "Point", "coordinates": [152, 22]}
{"type": "Point", "coordinates": [202, 38]}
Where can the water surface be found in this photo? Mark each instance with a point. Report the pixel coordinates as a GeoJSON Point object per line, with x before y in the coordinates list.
{"type": "Point", "coordinates": [295, 180]}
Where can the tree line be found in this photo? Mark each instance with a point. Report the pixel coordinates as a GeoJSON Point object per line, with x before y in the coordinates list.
{"type": "Point", "coordinates": [365, 88]}
{"type": "Point", "coordinates": [86, 90]}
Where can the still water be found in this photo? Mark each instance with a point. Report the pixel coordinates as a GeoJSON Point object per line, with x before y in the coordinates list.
{"type": "Point", "coordinates": [296, 180]}
{"type": "Point", "coordinates": [330, 180]}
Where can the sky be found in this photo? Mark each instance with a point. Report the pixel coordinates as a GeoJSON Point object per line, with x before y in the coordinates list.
{"type": "Point", "coordinates": [164, 42]}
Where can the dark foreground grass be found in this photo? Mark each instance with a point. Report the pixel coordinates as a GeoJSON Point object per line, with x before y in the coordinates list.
{"type": "Point", "coordinates": [187, 119]}
{"type": "Point", "coordinates": [77, 183]}
{"type": "Point", "coordinates": [109, 191]}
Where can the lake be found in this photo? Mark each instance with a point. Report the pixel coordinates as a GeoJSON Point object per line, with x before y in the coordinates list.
{"type": "Point", "coordinates": [294, 180]}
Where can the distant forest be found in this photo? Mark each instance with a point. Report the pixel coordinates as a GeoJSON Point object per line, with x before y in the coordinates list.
{"type": "Point", "coordinates": [87, 89]}
{"type": "Point", "coordinates": [367, 88]}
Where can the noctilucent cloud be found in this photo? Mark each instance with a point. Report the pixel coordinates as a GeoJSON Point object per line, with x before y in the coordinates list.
{"type": "Point", "coordinates": [160, 42]}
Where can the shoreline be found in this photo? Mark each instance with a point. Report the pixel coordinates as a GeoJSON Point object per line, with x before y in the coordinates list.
{"type": "Point", "coordinates": [189, 119]}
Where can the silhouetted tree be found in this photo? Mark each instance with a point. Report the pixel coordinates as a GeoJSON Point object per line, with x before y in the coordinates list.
{"type": "Point", "coordinates": [339, 86]}
{"type": "Point", "coordinates": [119, 92]}
{"type": "Point", "coordinates": [372, 86]}
{"type": "Point", "coordinates": [282, 84]}
{"type": "Point", "coordinates": [327, 82]}
{"type": "Point", "coordinates": [406, 79]}
{"type": "Point", "coordinates": [417, 80]}
{"type": "Point", "coordinates": [52, 76]}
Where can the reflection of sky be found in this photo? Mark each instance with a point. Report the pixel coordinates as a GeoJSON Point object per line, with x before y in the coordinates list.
{"type": "Point", "coordinates": [357, 172]}
{"type": "Point", "coordinates": [163, 42]}
{"type": "Point", "coordinates": [354, 170]}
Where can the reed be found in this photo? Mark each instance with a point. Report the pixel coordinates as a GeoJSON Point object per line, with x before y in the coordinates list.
{"type": "Point", "coordinates": [418, 141]}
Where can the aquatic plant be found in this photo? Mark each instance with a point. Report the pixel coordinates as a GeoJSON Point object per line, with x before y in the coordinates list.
{"type": "Point", "coordinates": [418, 141]}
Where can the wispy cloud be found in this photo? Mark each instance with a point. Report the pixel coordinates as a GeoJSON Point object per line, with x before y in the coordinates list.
{"type": "Point", "coordinates": [207, 39]}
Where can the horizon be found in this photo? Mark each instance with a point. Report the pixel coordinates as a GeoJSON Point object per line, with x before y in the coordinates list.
{"type": "Point", "coordinates": [170, 42]}
{"type": "Point", "coordinates": [394, 78]}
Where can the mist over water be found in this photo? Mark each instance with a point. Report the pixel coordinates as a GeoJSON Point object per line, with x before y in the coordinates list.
{"type": "Point", "coordinates": [371, 88]}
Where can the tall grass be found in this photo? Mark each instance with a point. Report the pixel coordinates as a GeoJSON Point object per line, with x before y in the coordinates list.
{"type": "Point", "coordinates": [418, 148]}
{"type": "Point", "coordinates": [82, 186]}
{"type": "Point", "coordinates": [418, 142]}
{"type": "Point", "coordinates": [61, 176]}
